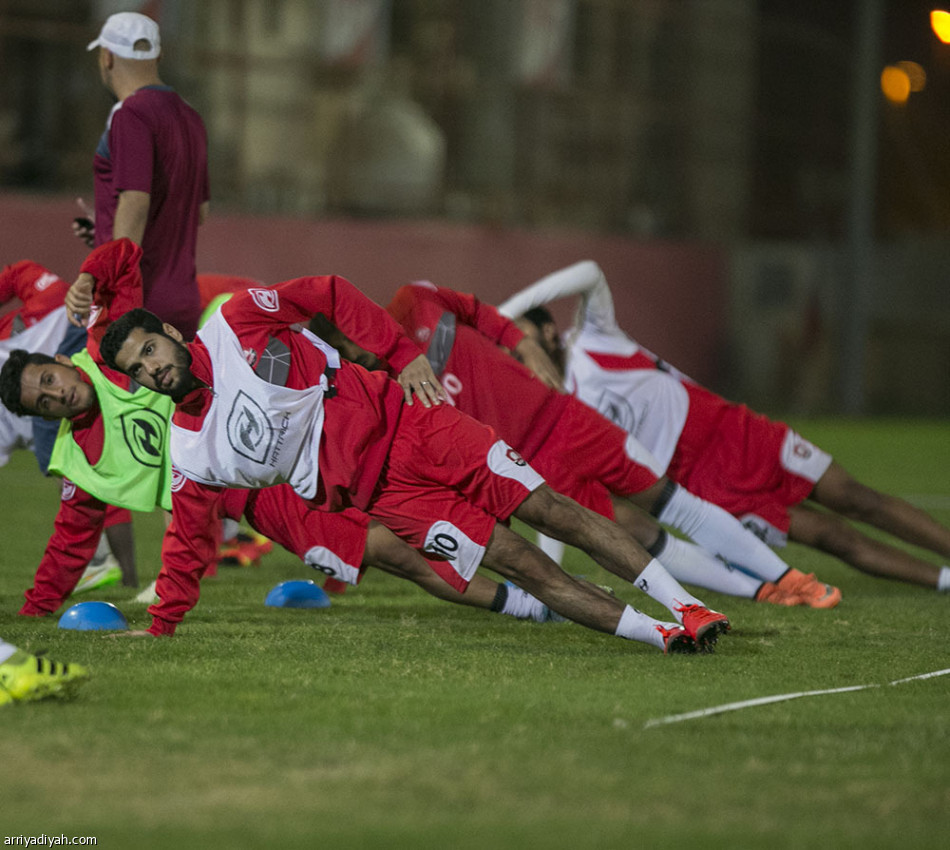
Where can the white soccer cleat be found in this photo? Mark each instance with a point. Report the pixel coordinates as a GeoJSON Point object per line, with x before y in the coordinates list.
{"type": "Point", "coordinates": [147, 596]}
{"type": "Point", "coordinates": [102, 574]}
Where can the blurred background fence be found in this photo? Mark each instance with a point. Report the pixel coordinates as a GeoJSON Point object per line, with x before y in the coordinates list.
{"type": "Point", "coordinates": [770, 218]}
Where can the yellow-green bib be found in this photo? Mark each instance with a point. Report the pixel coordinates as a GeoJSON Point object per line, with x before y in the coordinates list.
{"type": "Point", "coordinates": [134, 471]}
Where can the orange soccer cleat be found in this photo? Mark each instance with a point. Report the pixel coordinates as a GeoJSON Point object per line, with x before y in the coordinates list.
{"type": "Point", "coordinates": [703, 625]}
{"type": "Point", "coordinates": [811, 592]}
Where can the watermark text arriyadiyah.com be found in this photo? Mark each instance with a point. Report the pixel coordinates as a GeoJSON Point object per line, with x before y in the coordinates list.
{"type": "Point", "coordinates": [50, 841]}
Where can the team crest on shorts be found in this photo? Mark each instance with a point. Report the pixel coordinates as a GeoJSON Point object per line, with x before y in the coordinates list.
{"type": "Point", "coordinates": [515, 457]}
{"type": "Point", "coordinates": [505, 461]}
{"type": "Point", "coordinates": [266, 299]}
{"type": "Point", "coordinates": [68, 491]}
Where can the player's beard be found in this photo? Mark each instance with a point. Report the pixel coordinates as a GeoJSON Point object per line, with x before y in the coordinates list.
{"type": "Point", "coordinates": [184, 382]}
{"type": "Point", "coordinates": [554, 350]}
{"type": "Point", "coordinates": [558, 357]}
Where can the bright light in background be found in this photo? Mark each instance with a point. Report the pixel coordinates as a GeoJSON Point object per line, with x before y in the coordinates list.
{"type": "Point", "coordinates": [895, 83]}
{"type": "Point", "coordinates": [915, 73]}
{"type": "Point", "coordinates": [940, 24]}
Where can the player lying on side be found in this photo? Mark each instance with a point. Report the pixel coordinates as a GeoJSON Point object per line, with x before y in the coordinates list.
{"type": "Point", "coordinates": [38, 322]}
{"type": "Point", "coordinates": [764, 473]}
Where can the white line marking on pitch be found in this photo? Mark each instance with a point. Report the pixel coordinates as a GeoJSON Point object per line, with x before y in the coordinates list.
{"type": "Point", "coordinates": [750, 703]}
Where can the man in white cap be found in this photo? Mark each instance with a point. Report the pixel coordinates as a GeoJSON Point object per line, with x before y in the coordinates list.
{"type": "Point", "coordinates": [151, 169]}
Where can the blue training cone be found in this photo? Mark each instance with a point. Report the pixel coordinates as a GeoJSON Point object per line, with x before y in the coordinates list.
{"type": "Point", "coordinates": [297, 594]}
{"type": "Point", "coordinates": [93, 616]}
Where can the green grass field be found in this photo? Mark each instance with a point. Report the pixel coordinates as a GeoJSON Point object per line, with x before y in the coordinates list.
{"type": "Point", "coordinates": [393, 720]}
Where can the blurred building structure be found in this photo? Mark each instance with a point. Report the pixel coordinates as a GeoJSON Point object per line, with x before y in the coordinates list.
{"type": "Point", "coordinates": [723, 122]}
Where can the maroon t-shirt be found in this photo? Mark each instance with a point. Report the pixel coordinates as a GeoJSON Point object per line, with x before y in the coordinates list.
{"type": "Point", "coordinates": [155, 142]}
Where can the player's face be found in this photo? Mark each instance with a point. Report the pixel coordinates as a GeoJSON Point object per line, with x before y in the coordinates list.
{"type": "Point", "coordinates": [55, 390]}
{"type": "Point", "coordinates": [157, 361]}
{"type": "Point", "coordinates": [550, 340]}
{"type": "Point", "coordinates": [547, 337]}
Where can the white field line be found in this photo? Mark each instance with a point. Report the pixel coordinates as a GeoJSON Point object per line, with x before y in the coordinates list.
{"type": "Point", "coordinates": [922, 676]}
{"type": "Point", "coordinates": [751, 703]}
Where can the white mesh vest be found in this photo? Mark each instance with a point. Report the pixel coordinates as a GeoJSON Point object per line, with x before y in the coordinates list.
{"type": "Point", "coordinates": [43, 336]}
{"type": "Point", "coordinates": [255, 433]}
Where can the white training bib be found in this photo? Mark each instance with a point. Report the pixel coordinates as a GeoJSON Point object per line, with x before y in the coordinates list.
{"type": "Point", "coordinates": [649, 404]}
{"type": "Point", "coordinates": [16, 432]}
{"type": "Point", "coordinates": [255, 434]}
{"type": "Point", "coordinates": [43, 336]}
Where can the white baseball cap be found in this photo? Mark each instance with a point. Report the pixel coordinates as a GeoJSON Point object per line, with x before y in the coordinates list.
{"type": "Point", "coordinates": [122, 30]}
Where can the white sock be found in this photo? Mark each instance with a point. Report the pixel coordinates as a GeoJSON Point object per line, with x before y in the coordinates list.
{"type": "Point", "coordinates": [688, 562]}
{"type": "Point", "coordinates": [635, 625]}
{"type": "Point", "coordinates": [721, 534]}
{"type": "Point", "coordinates": [229, 528]}
{"type": "Point", "coordinates": [554, 549]}
{"type": "Point", "coordinates": [6, 650]}
{"type": "Point", "coordinates": [523, 606]}
{"type": "Point", "coordinates": [943, 580]}
{"type": "Point", "coordinates": [658, 584]}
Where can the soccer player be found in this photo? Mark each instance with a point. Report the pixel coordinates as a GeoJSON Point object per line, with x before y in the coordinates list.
{"type": "Point", "coordinates": [259, 402]}
{"type": "Point", "coordinates": [579, 452]}
{"type": "Point", "coordinates": [26, 678]}
{"type": "Point", "coordinates": [760, 470]}
{"type": "Point", "coordinates": [109, 451]}
{"type": "Point", "coordinates": [37, 322]}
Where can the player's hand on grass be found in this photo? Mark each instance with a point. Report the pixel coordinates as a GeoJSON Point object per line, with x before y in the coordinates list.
{"type": "Point", "coordinates": [419, 378]}
{"type": "Point", "coordinates": [536, 359]}
{"type": "Point", "coordinates": [79, 299]}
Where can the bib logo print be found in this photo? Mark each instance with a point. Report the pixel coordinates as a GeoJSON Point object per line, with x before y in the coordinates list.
{"type": "Point", "coordinates": [617, 409]}
{"type": "Point", "coordinates": [144, 432]}
{"type": "Point", "coordinates": [266, 299]}
{"type": "Point", "coordinates": [249, 431]}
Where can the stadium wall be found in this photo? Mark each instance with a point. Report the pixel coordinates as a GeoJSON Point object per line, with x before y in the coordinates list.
{"type": "Point", "coordinates": [670, 295]}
